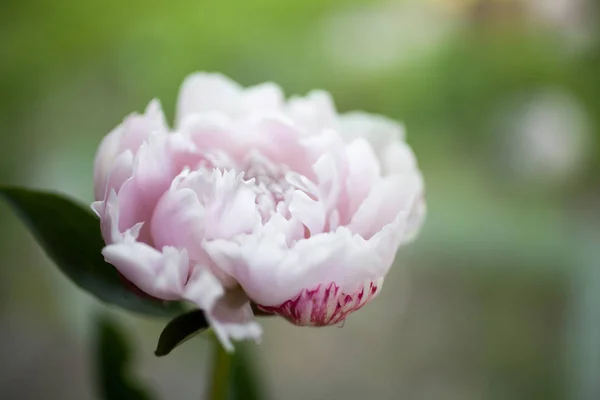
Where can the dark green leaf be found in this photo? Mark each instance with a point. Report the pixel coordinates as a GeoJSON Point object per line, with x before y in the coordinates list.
{"type": "Point", "coordinates": [70, 236]}
{"type": "Point", "coordinates": [113, 357]}
{"type": "Point", "coordinates": [180, 329]}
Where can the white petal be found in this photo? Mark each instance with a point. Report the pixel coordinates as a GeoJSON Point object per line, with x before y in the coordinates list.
{"type": "Point", "coordinates": [206, 92]}
{"type": "Point", "coordinates": [160, 274]}
{"type": "Point", "coordinates": [230, 316]}
{"type": "Point", "coordinates": [389, 197]}
{"type": "Point", "coordinates": [363, 172]}
{"type": "Point", "coordinates": [308, 211]}
{"type": "Point", "coordinates": [314, 113]}
{"type": "Point", "coordinates": [377, 129]}
{"type": "Point", "coordinates": [262, 98]}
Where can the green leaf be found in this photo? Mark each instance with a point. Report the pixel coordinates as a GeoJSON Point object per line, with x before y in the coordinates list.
{"type": "Point", "coordinates": [113, 356]}
{"type": "Point", "coordinates": [70, 236]}
{"type": "Point", "coordinates": [180, 329]}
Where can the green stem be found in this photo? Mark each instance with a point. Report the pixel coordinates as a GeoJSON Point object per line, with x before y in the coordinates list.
{"type": "Point", "coordinates": [221, 367]}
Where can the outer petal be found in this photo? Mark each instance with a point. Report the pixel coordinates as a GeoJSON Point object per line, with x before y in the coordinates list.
{"type": "Point", "coordinates": [130, 135]}
{"type": "Point", "coordinates": [377, 129]}
{"type": "Point", "coordinates": [363, 172]}
{"type": "Point", "coordinates": [266, 97]}
{"type": "Point", "coordinates": [271, 273]}
{"type": "Point", "coordinates": [168, 275]}
{"type": "Point", "coordinates": [276, 137]}
{"type": "Point", "coordinates": [212, 132]}
{"type": "Point", "coordinates": [157, 163]}
{"type": "Point", "coordinates": [390, 196]}
{"type": "Point", "coordinates": [160, 274]}
{"type": "Point", "coordinates": [208, 92]}
{"type": "Point", "coordinates": [325, 304]}
{"type": "Point", "coordinates": [314, 113]}
{"type": "Point", "coordinates": [231, 317]}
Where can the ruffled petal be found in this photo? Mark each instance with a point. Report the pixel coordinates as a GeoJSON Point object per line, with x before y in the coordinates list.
{"type": "Point", "coordinates": [157, 163]}
{"type": "Point", "coordinates": [128, 136]}
{"type": "Point", "coordinates": [203, 205]}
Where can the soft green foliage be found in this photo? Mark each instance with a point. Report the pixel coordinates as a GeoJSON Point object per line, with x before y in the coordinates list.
{"type": "Point", "coordinates": [113, 358]}
{"type": "Point", "coordinates": [70, 236]}
{"type": "Point", "coordinates": [180, 329]}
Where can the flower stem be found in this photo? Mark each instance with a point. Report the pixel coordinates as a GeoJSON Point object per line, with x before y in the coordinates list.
{"type": "Point", "coordinates": [221, 366]}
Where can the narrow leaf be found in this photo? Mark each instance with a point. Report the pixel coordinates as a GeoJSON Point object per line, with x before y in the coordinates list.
{"type": "Point", "coordinates": [180, 329]}
{"type": "Point", "coordinates": [113, 356]}
{"type": "Point", "coordinates": [70, 236]}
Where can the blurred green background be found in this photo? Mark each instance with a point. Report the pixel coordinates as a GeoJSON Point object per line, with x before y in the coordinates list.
{"type": "Point", "coordinates": [501, 99]}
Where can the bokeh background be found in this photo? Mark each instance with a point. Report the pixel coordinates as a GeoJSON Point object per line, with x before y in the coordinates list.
{"type": "Point", "coordinates": [499, 297]}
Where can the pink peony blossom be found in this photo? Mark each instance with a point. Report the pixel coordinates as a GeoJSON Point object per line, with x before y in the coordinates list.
{"type": "Point", "coordinates": [251, 198]}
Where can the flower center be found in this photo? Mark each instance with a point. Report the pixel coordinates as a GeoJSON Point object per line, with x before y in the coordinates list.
{"type": "Point", "coordinates": [275, 185]}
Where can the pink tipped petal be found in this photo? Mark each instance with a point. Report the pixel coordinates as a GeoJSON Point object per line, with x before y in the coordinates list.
{"type": "Point", "coordinates": [258, 263]}
{"type": "Point", "coordinates": [324, 305]}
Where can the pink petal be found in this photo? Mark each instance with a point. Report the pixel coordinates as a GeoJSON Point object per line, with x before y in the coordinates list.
{"type": "Point", "coordinates": [130, 135]}
{"type": "Point", "coordinates": [159, 274]}
{"type": "Point", "coordinates": [157, 163]}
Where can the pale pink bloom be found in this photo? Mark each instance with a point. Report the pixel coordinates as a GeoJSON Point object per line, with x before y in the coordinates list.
{"type": "Point", "coordinates": [251, 198]}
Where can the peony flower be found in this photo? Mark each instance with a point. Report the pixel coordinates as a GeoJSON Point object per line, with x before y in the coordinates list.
{"type": "Point", "coordinates": [254, 199]}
